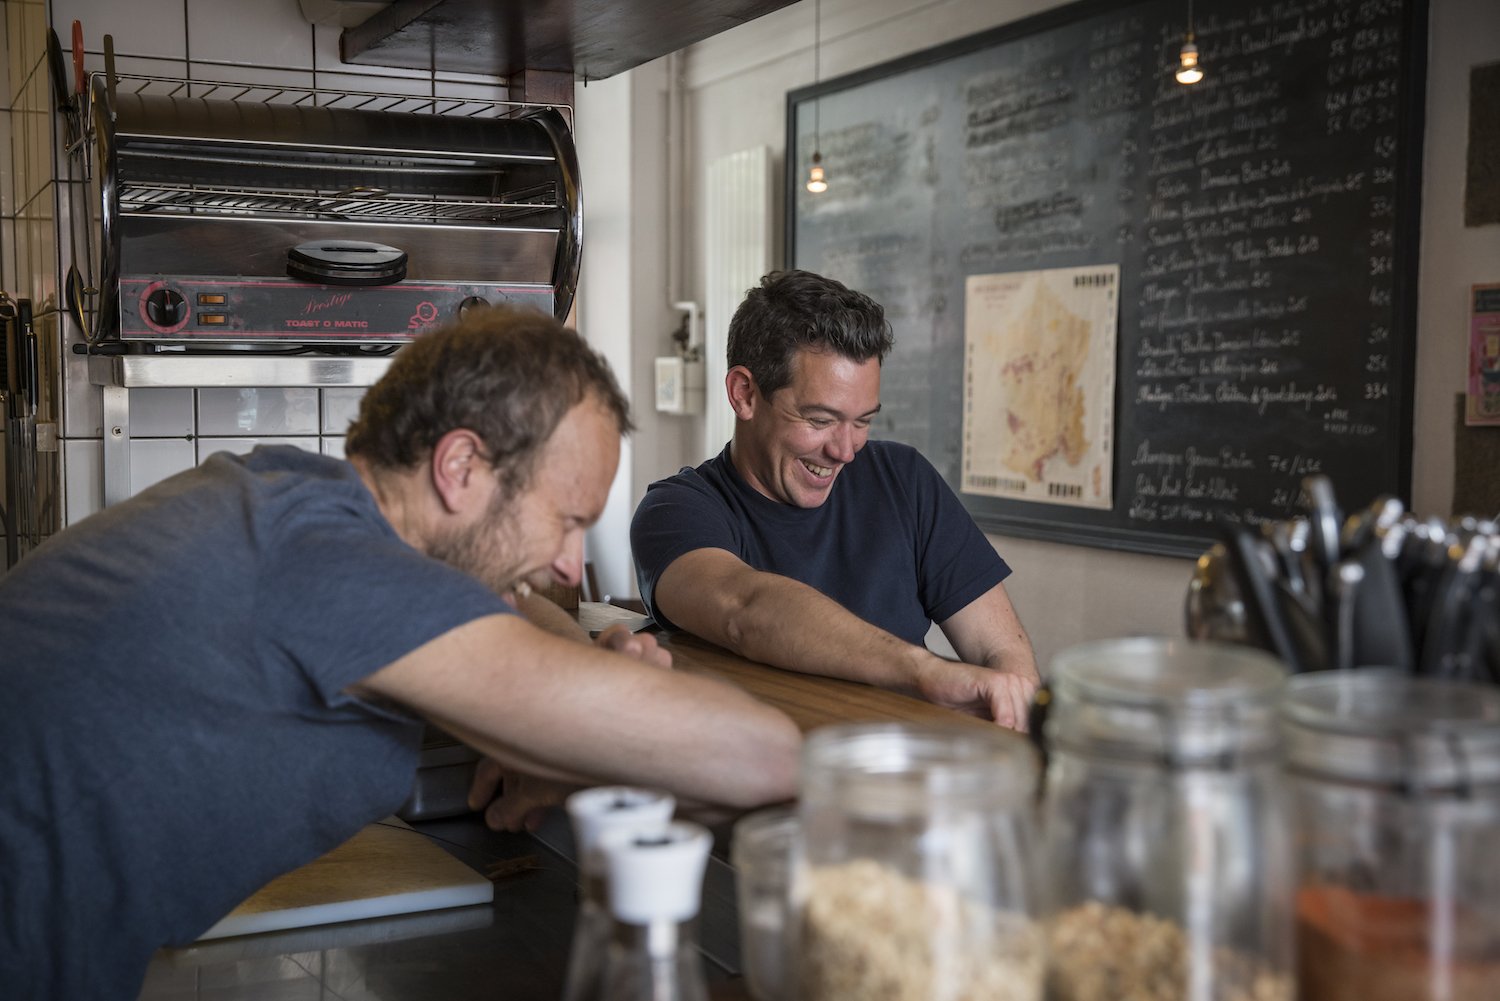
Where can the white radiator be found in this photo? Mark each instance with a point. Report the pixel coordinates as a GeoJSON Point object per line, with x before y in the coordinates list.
{"type": "Point", "coordinates": [738, 254]}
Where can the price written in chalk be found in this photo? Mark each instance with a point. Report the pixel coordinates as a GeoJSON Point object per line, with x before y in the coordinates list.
{"type": "Point", "coordinates": [1294, 465]}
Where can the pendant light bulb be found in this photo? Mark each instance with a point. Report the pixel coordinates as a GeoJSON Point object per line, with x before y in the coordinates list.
{"type": "Point", "coordinates": [1188, 71]}
{"type": "Point", "coordinates": [815, 181]}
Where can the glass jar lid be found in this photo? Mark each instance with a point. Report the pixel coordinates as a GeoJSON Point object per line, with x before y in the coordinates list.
{"type": "Point", "coordinates": [1180, 703]}
{"type": "Point", "coordinates": [903, 769]}
{"type": "Point", "coordinates": [1384, 727]}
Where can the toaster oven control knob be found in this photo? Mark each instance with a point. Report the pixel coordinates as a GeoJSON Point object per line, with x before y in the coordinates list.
{"type": "Point", "coordinates": [165, 307]}
{"type": "Point", "coordinates": [470, 303]}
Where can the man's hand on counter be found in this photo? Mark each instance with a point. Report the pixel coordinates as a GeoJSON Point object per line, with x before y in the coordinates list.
{"type": "Point", "coordinates": [641, 646]}
{"type": "Point", "coordinates": [1003, 696]}
{"type": "Point", "coordinates": [513, 801]}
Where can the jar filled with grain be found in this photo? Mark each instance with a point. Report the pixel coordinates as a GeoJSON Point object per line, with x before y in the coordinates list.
{"type": "Point", "coordinates": [1396, 781]}
{"type": "Point", "coordinates": [1167, 839]}
{"type": "Point", "coordinates": [913, 868]}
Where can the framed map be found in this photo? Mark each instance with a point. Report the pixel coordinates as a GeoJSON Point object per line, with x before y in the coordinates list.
{"type": "Point", "coordinates": [1039, 385]}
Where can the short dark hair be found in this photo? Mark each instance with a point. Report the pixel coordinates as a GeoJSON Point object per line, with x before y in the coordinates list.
{"type": "Point", "coordinates": [792, 310]}
{"type": "Point", "coordinates": [508, 374]}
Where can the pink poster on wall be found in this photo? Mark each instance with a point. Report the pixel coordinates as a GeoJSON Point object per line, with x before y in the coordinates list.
{"type": "Point", "coordinates": [1484, 355]}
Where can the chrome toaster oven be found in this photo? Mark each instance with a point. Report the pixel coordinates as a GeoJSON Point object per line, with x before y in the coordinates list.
{"type": "Point", "coordinates": [235, 217]}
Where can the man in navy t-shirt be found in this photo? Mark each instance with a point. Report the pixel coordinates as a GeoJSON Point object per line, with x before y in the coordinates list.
{"type": "Point", "coordinates": [806, 546]}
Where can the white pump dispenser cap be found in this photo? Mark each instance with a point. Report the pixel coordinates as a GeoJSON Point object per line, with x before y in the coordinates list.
{"type": "Point", "coordinates": [606, 808]}
{"type": "Point", "coordinates": [656, 877]}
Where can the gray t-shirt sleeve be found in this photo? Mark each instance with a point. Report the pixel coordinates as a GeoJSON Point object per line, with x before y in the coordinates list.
{"type": "Point", "coordinates": [341, 604]}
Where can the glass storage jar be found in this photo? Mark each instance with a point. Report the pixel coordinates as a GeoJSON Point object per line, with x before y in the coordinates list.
{"type": "Point", "coordinates": [1396, 782]}
{"type": "Point", "coordinates": [913, 876]}
{"type": "Point", "coordinates": [1167, 843]}
{"type": "Point", "coordinates": [761, 853]}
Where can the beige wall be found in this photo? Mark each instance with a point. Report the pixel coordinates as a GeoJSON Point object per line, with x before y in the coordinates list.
{"type": "Point", "coordinates": [737, 84]}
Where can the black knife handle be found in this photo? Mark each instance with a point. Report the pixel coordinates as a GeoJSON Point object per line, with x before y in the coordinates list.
{"type": "Point", "coordinates": [1263, 612]}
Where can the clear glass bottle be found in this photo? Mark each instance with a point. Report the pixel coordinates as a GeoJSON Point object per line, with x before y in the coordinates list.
{"type": "Point", "coordinates": [1396, 781]}
{"type": "Point", "coordinates": [593, 812]}
{"type": "Point", "coordinates": [655, 892]}
{"type": "Point", "coordinates": [912, 875]}
{"type": "Point", "coordinates": [1167, 842]}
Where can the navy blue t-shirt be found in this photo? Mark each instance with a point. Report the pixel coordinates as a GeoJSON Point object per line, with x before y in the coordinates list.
{"type": "Point", "coordinates": [174, 722]}
{"type": "Point", "coordinates": [892, 543]}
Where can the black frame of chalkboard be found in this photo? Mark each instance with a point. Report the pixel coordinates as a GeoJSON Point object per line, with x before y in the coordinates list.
{"type": "Point", "coordinates": [1059, 524]}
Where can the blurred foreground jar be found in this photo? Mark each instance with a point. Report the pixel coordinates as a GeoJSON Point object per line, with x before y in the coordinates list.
{"type": "Point", "coordinates": [1167, 843]}
{"type": "Point", "coordinates": [913, 876]}
{"type": "Point", "coordinates": [1397, 786]}
{"type": "Point", "coordinates": [761, 854]}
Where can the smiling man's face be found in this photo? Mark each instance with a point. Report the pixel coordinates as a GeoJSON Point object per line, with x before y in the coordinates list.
{"type": "Point", "coordinates": [536, 536]}
{"type": "Point", "coordinates": [791, 445]}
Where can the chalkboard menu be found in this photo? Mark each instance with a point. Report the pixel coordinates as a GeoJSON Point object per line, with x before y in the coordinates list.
{"type": "Point", "coordinates": [1126, 308]}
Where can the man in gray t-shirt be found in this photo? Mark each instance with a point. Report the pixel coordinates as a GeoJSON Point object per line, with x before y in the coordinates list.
{"type": "Point", "coordinates": [228, 675]}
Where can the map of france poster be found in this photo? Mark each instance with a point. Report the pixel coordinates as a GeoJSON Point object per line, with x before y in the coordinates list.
{"type": "Point", "coordinates": [1039, 385]}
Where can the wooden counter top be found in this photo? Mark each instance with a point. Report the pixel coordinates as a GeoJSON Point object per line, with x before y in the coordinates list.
{"type": "Point", "coordinates": [810, 701]}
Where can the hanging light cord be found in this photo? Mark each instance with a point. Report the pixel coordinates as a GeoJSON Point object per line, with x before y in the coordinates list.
{"type": "Point", "coordinates": [818, 72]}
{"type": "Point", "coordinates": [816, 179]}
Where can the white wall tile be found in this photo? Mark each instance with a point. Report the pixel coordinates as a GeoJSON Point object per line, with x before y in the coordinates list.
{"type": "Point", "coordinates": [140, 27]}
{"type": "Point", "coordinates": [154, 459]}
{"type": "Point", "coordinates": [480, 79]}
{"type": "Point", "coordinates": [417, 87]}
{"type": "Point", "coordinates": [257, 411]}
{"type": "Point", "coordinates": [161, 413]}
{"type": "Point", "coordinates": [333, 446]}
{"type": "Point", "coordinates": [8, 255]}
{"type": "Point", "coordinates": [326, 47]}
{"type": "Point", "coordinates": [242, 446]}
{"type": "Point", "coordinates": [15, 68]}
{"type": "Point", "coordinates": [35, 169]}
{"type": "Point", "coordinates": [340, 407]}
{"type": "Point", "coordinates": [83, 479]}
{"type": "Point", "coordinates": [43, 250]}
{"type": "Point", "coordinates": [33, 47]}
{"type": "Point", "coordinates": [174, 69]}
{"type": "Point", "coordinates": [270, 81]}
{"type": "Point", "coordinates": [21, 266]}
{"type": "Point", "coordinates": [479, 90]}
{"type": "Point", "coordinates": [20, 161]}
{"type": "Point", "coordinates": [7, 169]}
{"type": "Point", "coordinates": [326, 56]}
{"type": "Point", "coordinates": [266, 34]}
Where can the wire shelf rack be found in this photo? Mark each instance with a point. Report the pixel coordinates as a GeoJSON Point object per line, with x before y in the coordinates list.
{"type": "Point", "coordinates": [323, 97]}
{"type": "Point", "coordinates": [354, 205]}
